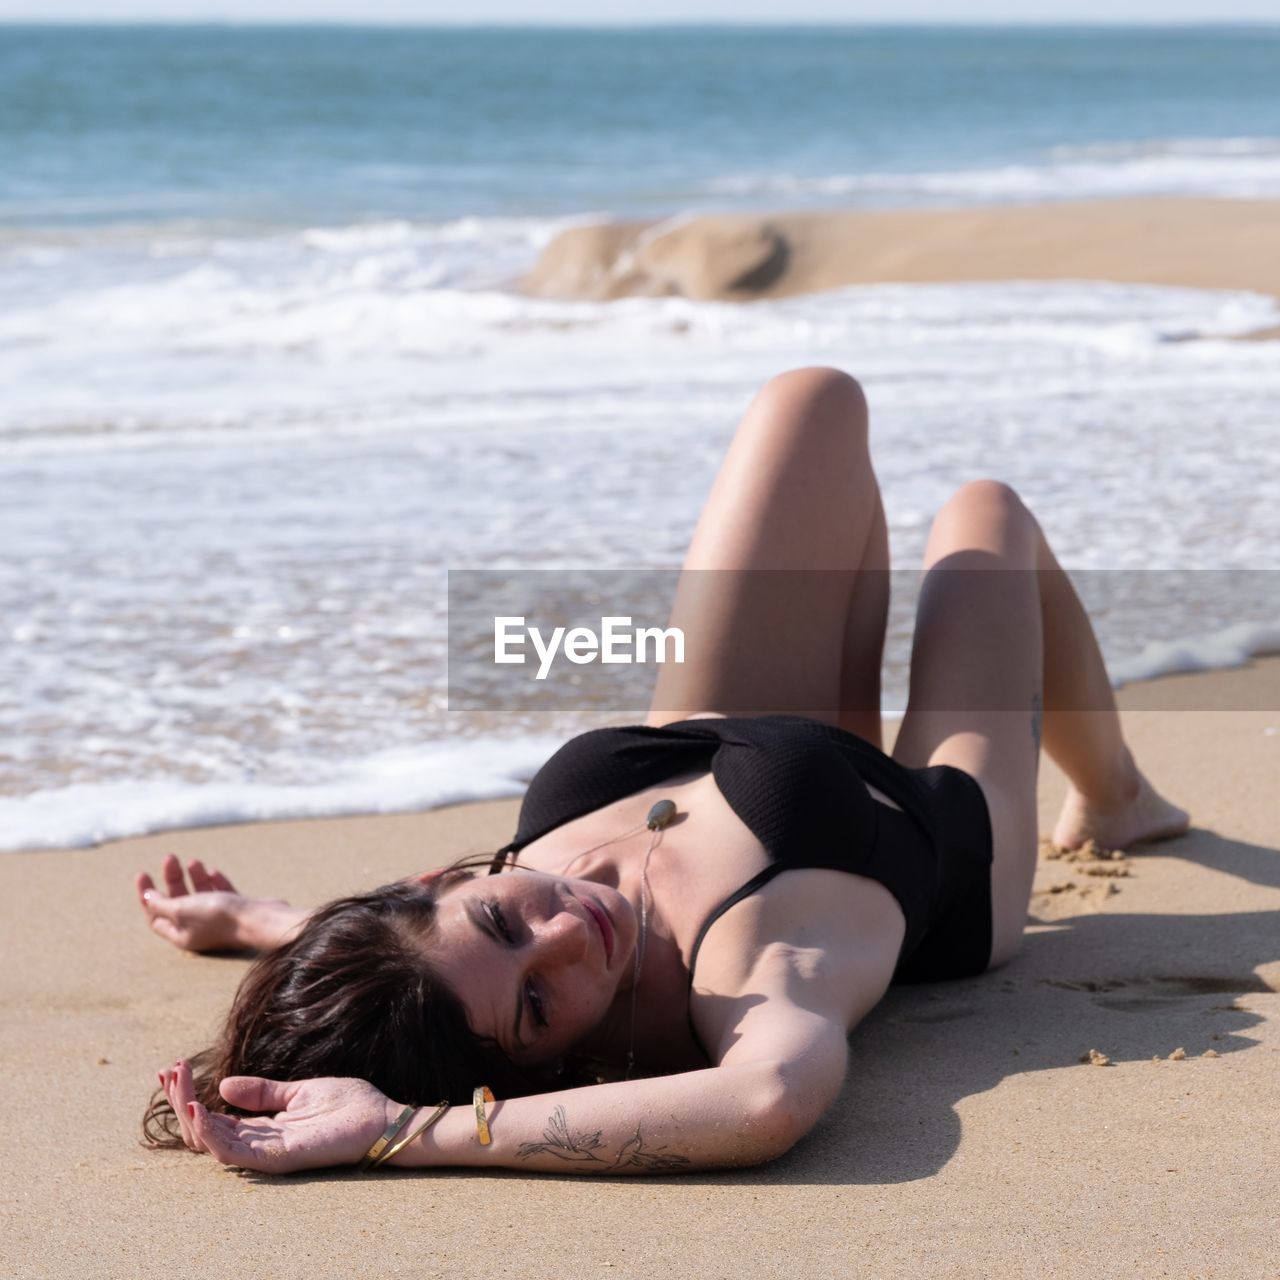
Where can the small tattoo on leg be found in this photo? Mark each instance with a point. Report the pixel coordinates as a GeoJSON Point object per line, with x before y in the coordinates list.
{"type": "Point", "coordinates": [1037, 717]}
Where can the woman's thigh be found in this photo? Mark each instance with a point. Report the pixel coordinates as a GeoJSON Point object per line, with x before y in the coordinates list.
{"type": "Point", "coordinates": [791, 539]}
{"type": "Point", "coordinates": [977, 678]}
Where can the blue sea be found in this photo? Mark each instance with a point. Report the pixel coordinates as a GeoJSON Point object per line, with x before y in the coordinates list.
{"type": "Point", "coordinates": [267, 375]}
{"type": "Point", "coordinates": [288, 127]}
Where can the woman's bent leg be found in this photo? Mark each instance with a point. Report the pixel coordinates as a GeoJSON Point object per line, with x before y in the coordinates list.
{"type": "Point", "coordinates": [784, 595]}
{"type": "Point", "coordinates": [862, 646]}
{"type": "Point", "coordinates": [1003, 648]}
{"type": "Point", "coordinates": [977, 680]}
{"type": "Point", "coordinates": [1109, 799]}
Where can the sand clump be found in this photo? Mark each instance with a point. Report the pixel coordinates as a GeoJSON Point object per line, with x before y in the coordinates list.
{"type": "Point", "coordinates": [1091, 857]}
{"type": "Point", "coordinates": [1098, 868]}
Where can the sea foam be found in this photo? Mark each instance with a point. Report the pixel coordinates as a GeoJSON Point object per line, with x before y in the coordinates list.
{"type": "Point", "coordinates": [255, 459]}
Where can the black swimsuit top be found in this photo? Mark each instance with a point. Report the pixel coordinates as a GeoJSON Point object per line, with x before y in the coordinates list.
{"type": "Point", "coordinates": [799, 785]}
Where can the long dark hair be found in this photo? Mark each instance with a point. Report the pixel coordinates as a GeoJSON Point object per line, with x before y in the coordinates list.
{"type": "Point", "coordinates": [353, 994]}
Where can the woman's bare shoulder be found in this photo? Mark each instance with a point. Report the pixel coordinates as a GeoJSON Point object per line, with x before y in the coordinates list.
{"type": "Point", "coordinates": [822, 943]}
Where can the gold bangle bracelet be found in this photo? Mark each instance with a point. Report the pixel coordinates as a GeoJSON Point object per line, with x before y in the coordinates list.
{"type": "Point", "coordinates": [482, 1095]}
{"type": "Point", "coordinates": [391, 1152]}
{"type": "Point", "coordinates": [389, 1134]}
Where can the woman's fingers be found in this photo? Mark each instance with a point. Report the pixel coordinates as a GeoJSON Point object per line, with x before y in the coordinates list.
{"type": "Point", "coordinates": [163, 914]}
{"type": "Point", "coordinates": [205, 881]}
{"type": "Point", "coordinates": [144, 884]}
{"type": "Point", "coordinates": [168, 1081]}
{"type": "Point", "coordinates": [165, 917]}
{"type": "Point", "coordinates": [253, 1093]}
{"type": "Point", "coordinates": [183, 1094]}
{"type": "Point", "coordinates": [201, 881]}
{"type": "Point", "coordinates": [203, 1130]}
{"type": "Point", "coordinates": [219, 1136]}
{"type": "Point", "coordinates": [174, 880]}
{"type": "Point", "coordinates": [170, 1092]}
{"type": "Point", "coordinates": [158, 905]}
{"type": "Point", "coordinates": [179, 1104]}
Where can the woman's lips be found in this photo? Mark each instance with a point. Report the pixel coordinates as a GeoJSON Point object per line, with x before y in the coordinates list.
{"type": "Point", "coordinates": [605, 926]}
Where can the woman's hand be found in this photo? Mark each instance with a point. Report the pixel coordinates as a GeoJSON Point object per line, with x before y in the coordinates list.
{"type": "Point", "coordinates": [318, 1123]}
{"type": "Point", "coordinates": [207, 916]}
{"type": "Point", "coordinates": [204, 917]}
{"type": "Point", "coordinates": [211, 915]}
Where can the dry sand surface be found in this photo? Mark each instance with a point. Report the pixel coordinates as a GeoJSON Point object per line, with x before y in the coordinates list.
{"type": "Point", "coordinates": [1201, 243]}
{"type": "Point", "coordinates": [971, 1139]}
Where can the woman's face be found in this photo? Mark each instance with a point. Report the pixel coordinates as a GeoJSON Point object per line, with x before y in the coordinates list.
{"type": "Point", "coordinates": [536, 959]}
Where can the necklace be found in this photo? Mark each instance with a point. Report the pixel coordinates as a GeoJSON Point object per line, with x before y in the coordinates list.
{"type": "Point", "coordinates": [659, 818]}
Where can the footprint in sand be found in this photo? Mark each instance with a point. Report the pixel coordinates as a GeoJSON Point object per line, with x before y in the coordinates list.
{"type": "Point", "coordinates": [1157, 992]}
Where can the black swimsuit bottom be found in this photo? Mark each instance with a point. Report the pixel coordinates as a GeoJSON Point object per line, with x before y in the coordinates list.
{"type": "Point", "coordinates": [799, 786]}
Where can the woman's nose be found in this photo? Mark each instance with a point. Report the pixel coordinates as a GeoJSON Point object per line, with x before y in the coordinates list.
{"type": "Point", "coordinates": [562, 938]}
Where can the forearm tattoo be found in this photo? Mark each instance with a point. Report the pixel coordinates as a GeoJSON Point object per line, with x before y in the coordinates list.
{"type": "Point", "coordinates": [591, 1149]}
{"type": "Point", "coordinates": [1037, 717]}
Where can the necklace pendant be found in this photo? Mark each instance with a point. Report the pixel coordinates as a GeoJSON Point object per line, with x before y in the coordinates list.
{"type": "Point", "coordinates": [661, 815]}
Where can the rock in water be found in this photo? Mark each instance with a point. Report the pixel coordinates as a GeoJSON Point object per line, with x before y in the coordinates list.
{"type": "Point", "coordinates": [587, 263]}
{"type": "Point", "coordinates": [709, 258]}
{"type": "Point", "coordinates": [705, 258]}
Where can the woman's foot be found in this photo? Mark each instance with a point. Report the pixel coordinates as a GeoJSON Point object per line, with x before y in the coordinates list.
{"type": "Point", "coordinates": [1145, 815]}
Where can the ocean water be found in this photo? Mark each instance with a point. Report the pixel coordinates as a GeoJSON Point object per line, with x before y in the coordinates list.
{"type": "Point", "coordinates": [266, 378]}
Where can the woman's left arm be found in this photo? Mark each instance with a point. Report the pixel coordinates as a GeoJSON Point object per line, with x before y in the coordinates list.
{"type": "Point", "coordinates": [742, 1112]}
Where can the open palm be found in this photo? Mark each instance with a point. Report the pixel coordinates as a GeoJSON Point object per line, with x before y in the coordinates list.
{"type": "Point", "coordinates": [202, 917]}
{"type": "Point", "coordinates": [316, 1123]}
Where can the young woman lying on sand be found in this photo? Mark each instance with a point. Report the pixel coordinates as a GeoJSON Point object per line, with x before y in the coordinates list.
{"type": "Point", "coordinates": [639, 987]}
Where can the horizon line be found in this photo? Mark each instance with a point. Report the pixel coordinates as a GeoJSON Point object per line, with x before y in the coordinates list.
{"type": "Point", "coordinates": [640, 25]}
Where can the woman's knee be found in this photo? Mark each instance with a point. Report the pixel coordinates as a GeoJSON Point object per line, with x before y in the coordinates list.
{"type": "Point", "coordinates": [993, 495]}
{"type": "Point", "coordinates": [815, 399]}
{"type": "Point", "coordinates": [986, 516]}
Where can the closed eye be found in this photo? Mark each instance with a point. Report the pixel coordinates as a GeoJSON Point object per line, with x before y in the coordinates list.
{"type": "Point", "coordinates": [531, 996]}
{"type": "Point", "coordinates": [500, 922]}
{"type": "Point", "coordinates": [536, 1006]}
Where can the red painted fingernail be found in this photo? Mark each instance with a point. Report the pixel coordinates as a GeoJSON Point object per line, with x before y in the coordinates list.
{"type": "Point", "coordinates": [191, 1110]}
